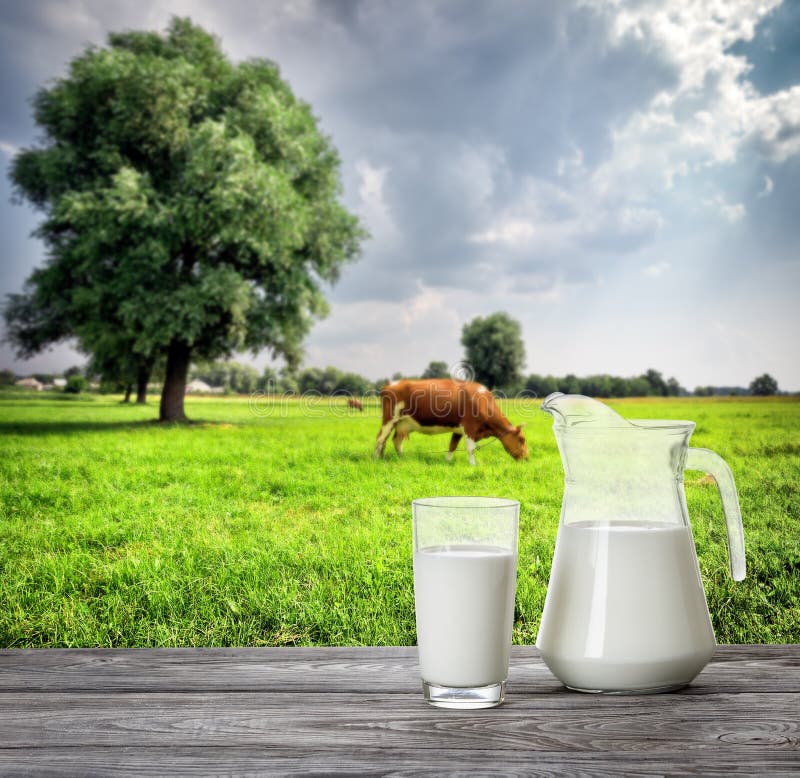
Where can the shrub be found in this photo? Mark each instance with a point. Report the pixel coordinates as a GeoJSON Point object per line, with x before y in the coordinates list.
{"type": "Point", "coordinates": [75, 384]}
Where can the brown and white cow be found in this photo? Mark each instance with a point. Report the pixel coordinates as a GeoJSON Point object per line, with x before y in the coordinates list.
{"type": "Point", "coordinates": [462, 408]}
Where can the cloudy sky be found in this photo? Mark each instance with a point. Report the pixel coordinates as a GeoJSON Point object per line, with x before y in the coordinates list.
{"type": "Point", "coordinates": [621, 177]}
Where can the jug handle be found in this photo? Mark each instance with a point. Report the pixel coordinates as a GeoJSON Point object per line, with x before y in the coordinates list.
{"type": "Point", "coordinates": [717, 467]}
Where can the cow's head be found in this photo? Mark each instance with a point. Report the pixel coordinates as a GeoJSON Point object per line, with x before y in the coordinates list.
{"type": "Point", "coordinates": [514, 442]}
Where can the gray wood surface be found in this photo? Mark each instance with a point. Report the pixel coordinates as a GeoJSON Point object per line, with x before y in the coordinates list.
{"type": "Point", "coordinates": [328, 711]}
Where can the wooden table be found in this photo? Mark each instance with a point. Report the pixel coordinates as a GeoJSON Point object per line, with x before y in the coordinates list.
{"type": "Point", "coordinates": [360, 710]}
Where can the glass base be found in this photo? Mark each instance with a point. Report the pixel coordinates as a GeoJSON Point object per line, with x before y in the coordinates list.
{"type": "Point", "coordinates": [627, 692]}
{"type": "Point", "coordinates": [458, 698]}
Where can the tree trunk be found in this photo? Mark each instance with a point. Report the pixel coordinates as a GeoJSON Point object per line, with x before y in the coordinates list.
{"type": "Point", "coordinates": [178, 356]}
{"type": "Point", "coordinates": [128, 390]}
{"type": "Point", "coordinates": [142, 379]}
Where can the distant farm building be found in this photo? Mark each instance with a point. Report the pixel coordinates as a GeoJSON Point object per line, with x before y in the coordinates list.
{"type": "Point", "coordinates": [30, 383]}
{"type": "Point", "coordinates": [201, 387]}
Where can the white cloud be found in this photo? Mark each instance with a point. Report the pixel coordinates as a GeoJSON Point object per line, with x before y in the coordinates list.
{"type": "Point", "coordinates": [372, 180]}
{"type": "Point", "coordinates": [774, 123]}
{"type": "Point", "coordinates": [732, 212]}
{"type": "Point", "coordinates": [512, 232]}
{"type": "Point", "coordinates": [555, 220]}
{"type": "Point", "coordinates": [711, 112]}
{"type": "Point", "coordinates": [571, 165]}
{"type": "Point", "coordinates": [700, 123]}
{"type": "Point", "coordinates": [379, 338]}
{"type": "Point", "coordinates": [657, 269]}
{"type": "Point", "coordinates": [9, 149]}
{"type": "Point", "coordinates": [429, 305]}
{"type": "Point", "coordinates": [474, 171]}
{"type": "Point", "coordinates": [769, 185]}
{"type": "Point", "coordinates": [372, 206]}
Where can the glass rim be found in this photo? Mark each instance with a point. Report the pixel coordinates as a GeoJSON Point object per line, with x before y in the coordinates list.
{"type": "Point", "coordinates": [465, 502]}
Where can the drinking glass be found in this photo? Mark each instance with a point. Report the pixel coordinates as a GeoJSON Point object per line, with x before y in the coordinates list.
{"type": "Point", "coordinates": [465, 571]}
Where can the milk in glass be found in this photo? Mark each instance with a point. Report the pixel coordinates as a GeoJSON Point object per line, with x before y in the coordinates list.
{"type": "Point", "coordinates": [465, 612]}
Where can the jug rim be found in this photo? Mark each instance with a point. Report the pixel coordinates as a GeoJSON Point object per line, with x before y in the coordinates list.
{"type": "Point", "coordinates": [678, 426]}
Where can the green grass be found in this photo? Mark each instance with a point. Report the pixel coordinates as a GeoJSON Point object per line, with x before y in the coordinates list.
{"type": "Point", "coordinates": [278, 528]}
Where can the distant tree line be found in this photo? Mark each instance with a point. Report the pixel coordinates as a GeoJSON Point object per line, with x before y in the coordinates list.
{"type": "Point", "coordinates": [244, 379]}
{"type": "Point", "coordinates": [230, 375]}
{"type": "Point", "coordinates": [649, 384]}
{"type": "Point", "coordinates": [330, 380]}
{"type": "Point", "coordinates": [238, 378]}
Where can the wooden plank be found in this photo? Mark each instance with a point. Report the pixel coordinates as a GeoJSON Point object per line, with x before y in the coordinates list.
{"type": "Point", "coordinates": [747, 723]}
{"type": "Point", "coordinates": [359, 710]}
{"type": "Point", "coordinates": [768, 669]}
{"type": "Point", "coordinates": [254, 760]}
{"type": "Point", "coordinates": [389, 669]}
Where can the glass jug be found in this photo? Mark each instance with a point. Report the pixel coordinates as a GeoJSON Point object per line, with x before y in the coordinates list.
{"type": "Point", "coordinates": [625, 610]}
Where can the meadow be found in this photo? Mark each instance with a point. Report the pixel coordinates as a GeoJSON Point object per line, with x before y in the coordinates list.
{"type": "Point", "coordinates": [269, 524]}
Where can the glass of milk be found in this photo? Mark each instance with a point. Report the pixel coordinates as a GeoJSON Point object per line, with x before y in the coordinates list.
{"type": "Point", "coordinates": [465, 575]}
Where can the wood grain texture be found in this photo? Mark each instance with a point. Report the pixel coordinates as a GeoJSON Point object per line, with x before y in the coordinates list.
{"type": "Point", "coordinates": [651, 723]}
{"type": "Point", "coordinates": [391, 669]}
{"type": "Point", "coordinates": [252, 760]}
{"type": "Point", "coordinates": [360, 711]}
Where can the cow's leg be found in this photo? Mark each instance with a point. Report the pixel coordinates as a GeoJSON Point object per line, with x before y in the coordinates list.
{"type": "Point", "coordinates": [455, 439]}
{"type": "Point", "coordinates": [400, 437]}
{"type": "Point", "coordinates": [470, 444]}
{"type": "Point", "coordinates": [386, 430]}
{"type": "Point", "coordinates": [383, 436]}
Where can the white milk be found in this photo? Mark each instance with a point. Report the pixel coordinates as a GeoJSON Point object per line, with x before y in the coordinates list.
{"type": "Point", "coordinates": [625, 608]}
{"type": "Point", "coordinates": [465, 612]}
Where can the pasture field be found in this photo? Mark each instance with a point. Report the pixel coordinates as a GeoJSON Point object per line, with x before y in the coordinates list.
{"type": "Point", "coordinates": [269, 523]}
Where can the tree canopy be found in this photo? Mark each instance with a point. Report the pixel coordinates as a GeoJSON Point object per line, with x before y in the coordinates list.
{"type": "Point", "coordinates": [764, 385]}
{"type": "Point", "coordinates": [191, 207]}
{"type": "Point", "coordinates": [436, 369]}
{"type": "Point", "coordinates": [494, 348]}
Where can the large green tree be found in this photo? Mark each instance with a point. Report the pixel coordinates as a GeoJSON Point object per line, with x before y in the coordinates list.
{"type": "Point", "coordinates": [191, 206]}
{"type": "Point", "coordinates": [494, 348]}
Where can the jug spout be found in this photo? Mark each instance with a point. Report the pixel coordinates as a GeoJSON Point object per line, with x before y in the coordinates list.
{"type": "Point", "coordinates": [571, 410]}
